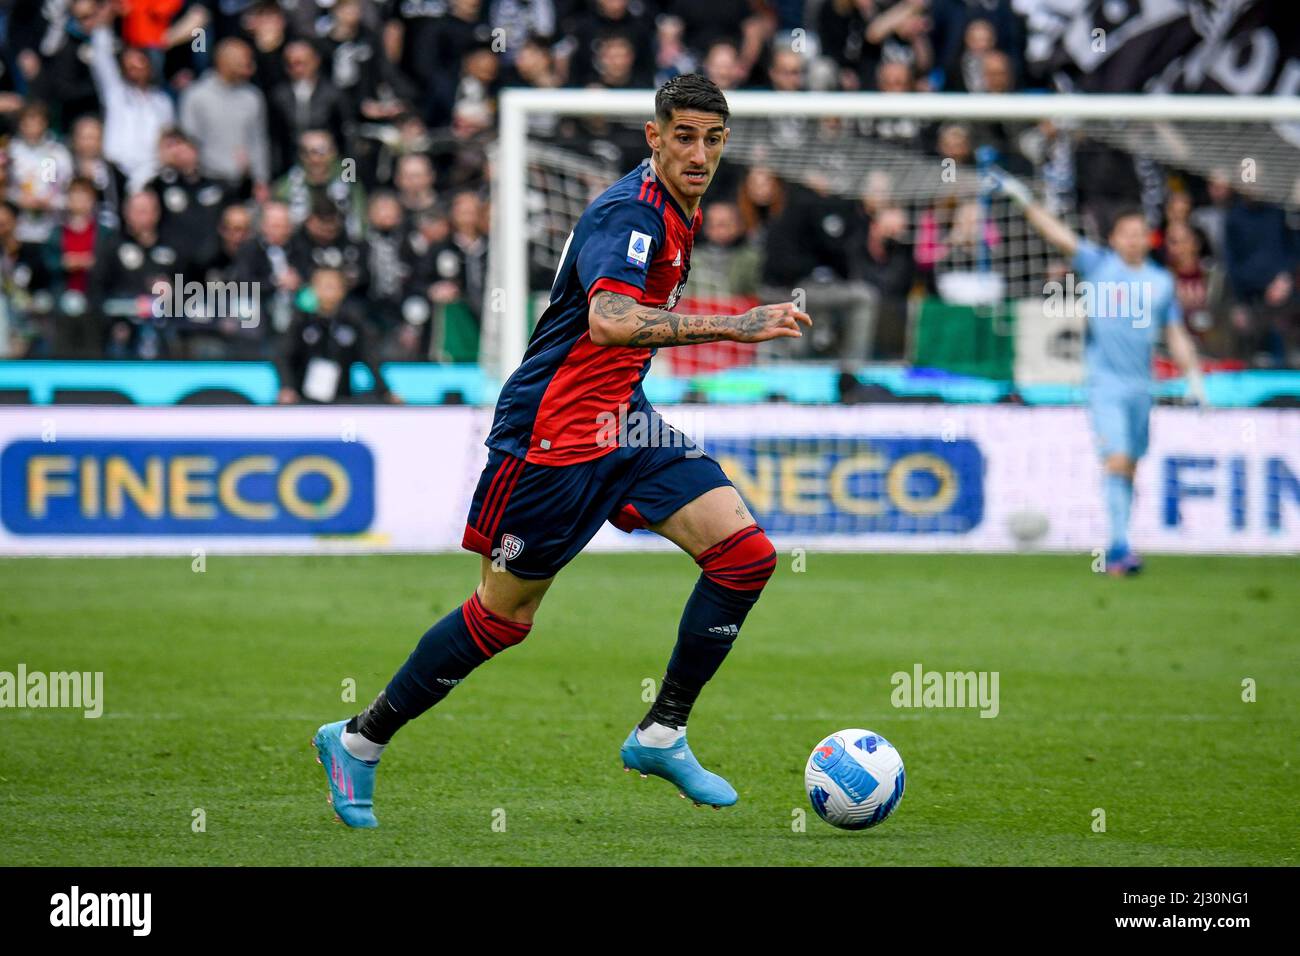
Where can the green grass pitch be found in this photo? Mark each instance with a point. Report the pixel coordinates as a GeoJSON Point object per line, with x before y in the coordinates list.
{"type": "Point", "coordinates": [1123, 695]}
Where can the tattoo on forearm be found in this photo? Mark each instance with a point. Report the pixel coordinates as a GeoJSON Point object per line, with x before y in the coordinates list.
{"type": "Point", "coordinates": [656, 328]}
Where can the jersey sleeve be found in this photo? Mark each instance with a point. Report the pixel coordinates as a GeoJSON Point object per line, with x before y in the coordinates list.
{"type": "Point", "coordinates": [1087, 256]}
{"type": "Point", "coordinates": [617, 255]}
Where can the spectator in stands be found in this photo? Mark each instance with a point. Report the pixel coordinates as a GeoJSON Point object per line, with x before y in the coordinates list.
{"type": "Point", "coordinates": [882, 259]}
{"type": "Point", "coordinates": [60, 75]}
{"type": "Point", "coordinates": [384, 268]}
{"type": "Point", "coordinates": [895, 76]}
{"type": "Point", "coordinates": [743, 21]}
{"type": "Point", "coordinates": [321, 243]}
{"type": "Point", "coordinates": [23, 274]}
{"type": "Point", "coordinates": [319, 349]}
{"type": "Point", "coordinates": [385, 92]}
{"type": "Point", "coordinates": [1260, 254]}
{"type": "Point", "coordinates": [1198, 284]}
{"type": "Point", "coordinates": [226, 115]}
{"type": "Point", "coordinates": [136, 110]}
{"type": "Point", "coordinates": [233, 230]}
{"type": "Point", "coordinates": [606, 18]}
{"type": "Point", "coordinates": [861, 34]}
{"type": "Point", "coordinates": [414, 182]}
{"type": "Point", "coordinates": [534, 65]}
{"type": "Point", "coordinates": [950, 35]}
{"type": "Point", "coordinates": [968, 74]}
{"type": "Point", "coordinates": [950, 233]}
{"type": "Point", "coordinates": [999, 75]}
{"type": "Point", "coordinates": [88, 162]}
{"type": "Point", "coordinates": [264, 259]}
{"type": "Point", "coordinates": [954, 143]}
{"type": "Point", "coordinates": [615, 64]}
{"type": "Point", "coordinates": [436, 53]}
{"type": "Point", "coordinates": [319, 175]}
{"type": "Point", "coordinates": [129, 266]}
{"type": "Point", "coordinates": [519, 20]}
{"type": "Point", "coordinates": [672, 58]}
{"type": "Point", "coordinates": [1211, 219]}
{"type": "Point", "coordinates": [476, 89]}
{"type": "Point", "coordinates": [265, 26]}
{"type": "Point", "coordinates": [724, 263]}
{"type": "Point", "coordinates": [461, 258]}
{"type": "Point", "coordinates": [190, 201]}
{"type": "Point", "coordinates": [349, 50]}
{"type": "Point", "coordinates": [304, 101]}
{"type": "Point", "coordinates": [786, 69]}
{"type": "Point", "coordinates": [760, 199]}
{"type": "Point", "coordinates": [1002, 135]}
{"type": "Point", "coordinates": [76, 238]}
{"type": "Point", "coordinates": [722, 65]}
{"type": "Point", "coordinates": [806, 253]}
{"type": "Point", "coordinates": [40, 168]}
{"type": "Point", "coordinates": [165, 30]}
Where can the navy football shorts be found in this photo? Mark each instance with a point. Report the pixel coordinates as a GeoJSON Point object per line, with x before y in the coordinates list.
{"type": "Point", "coordinates": [541, 516]}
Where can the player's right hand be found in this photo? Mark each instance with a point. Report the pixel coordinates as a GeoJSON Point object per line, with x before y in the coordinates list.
{"type": "Point", "coordinates": [999, 182]}
{"type": "Point", "coordinates": [765, 322]}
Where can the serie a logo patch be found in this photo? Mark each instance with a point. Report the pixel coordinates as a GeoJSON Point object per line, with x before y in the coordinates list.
{"type": "Point", "coordinates": [638, 249]}
{"type": "Point", "coordinates": [511, 547]}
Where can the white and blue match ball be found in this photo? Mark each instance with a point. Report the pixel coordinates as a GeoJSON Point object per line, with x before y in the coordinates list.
{"type": "Point", "coordinates": [855, 779]}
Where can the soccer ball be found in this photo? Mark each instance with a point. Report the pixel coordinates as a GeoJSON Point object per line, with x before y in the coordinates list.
{"type": "Point", "coordinates": [855, 779]}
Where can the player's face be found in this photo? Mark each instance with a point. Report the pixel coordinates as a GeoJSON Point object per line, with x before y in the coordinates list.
{"type": "Point", "coordinates": [687, 150]}
{"type": "Point", "coordinates": [1130, 239]}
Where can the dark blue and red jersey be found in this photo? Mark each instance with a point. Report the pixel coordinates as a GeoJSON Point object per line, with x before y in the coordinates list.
{"type": "Point", "coordinates": [635, 240]}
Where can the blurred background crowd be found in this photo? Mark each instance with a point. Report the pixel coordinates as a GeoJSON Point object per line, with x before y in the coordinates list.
{"type": "Point", "coordinates": [337, 153]}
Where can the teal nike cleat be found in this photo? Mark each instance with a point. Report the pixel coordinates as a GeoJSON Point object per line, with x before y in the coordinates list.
{"type": "Point", "coordinates": [352, 781]}
{"type": "Point", "coordinates": [678, 765]}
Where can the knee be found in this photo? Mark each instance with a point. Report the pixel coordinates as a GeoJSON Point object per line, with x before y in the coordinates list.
{"type": "Point", "coordinates": [742, 561]}
{"type": "Point", "coordinates": [1122, 465]}
{"type": "Point", "coordinates": [491, 629]}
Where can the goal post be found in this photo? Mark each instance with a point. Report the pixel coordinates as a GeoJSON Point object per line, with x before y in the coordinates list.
{"type": "Point", "coordinates": [540, 184]}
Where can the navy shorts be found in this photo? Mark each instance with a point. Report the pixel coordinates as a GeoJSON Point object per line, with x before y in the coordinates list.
{"type": "Point", "coordinates": [538, 517]}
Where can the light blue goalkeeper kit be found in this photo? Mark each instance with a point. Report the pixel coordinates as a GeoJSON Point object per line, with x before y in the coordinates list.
{"type": "Point", "coordinates": [1128, 308]}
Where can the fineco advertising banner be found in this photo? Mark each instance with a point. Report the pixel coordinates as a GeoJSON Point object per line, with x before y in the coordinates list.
{"type": "Point", "coordinates": [870, 477]}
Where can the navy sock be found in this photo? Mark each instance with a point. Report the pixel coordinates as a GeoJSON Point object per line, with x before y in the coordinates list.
{"type": "Point", "coordinates": [710, 625]}
{"type": "Point", "coordinates": [734, 572]}
{"type": "Point", "coordinates": [445, 656]}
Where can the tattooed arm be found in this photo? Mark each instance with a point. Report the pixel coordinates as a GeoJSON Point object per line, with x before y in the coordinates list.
{"type": "Point", "coordinates": [618, 319]}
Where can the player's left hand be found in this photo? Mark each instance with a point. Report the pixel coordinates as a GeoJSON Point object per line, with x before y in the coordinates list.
{"type": "Point", "coordinates": [1195, 394]}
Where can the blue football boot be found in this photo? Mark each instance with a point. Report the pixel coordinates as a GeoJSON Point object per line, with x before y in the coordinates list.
{"type": "Point", "coordinates": [678, 765]}
{"type": "Point", "coordinates": [1122, 564]}
{"type": "Point", "coordinates": [352, 781]}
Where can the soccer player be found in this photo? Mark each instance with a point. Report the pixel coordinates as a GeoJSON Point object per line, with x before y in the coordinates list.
{"type": "Point", "coordinates": [558, 467]}
{"type": "Point", "coordinates": [1129, 301]}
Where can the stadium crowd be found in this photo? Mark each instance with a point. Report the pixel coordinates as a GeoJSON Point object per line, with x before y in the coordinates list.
{"type": "Point", "coordinates": [218, 141]}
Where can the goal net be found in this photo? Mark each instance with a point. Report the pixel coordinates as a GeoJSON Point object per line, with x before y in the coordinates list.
{"type": "Point", "coordinates": [876, 202]}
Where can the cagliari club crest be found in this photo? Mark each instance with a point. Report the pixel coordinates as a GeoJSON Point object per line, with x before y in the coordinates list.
{"type": "Point", "coordinates": [511, 546]}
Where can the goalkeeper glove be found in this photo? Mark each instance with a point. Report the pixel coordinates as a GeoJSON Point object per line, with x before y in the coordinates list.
{"type": "Point", "coordinates": [999, 182]}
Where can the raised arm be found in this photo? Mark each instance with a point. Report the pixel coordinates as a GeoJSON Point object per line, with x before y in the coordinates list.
{"type": "Point", "coordinates": [618, 319]}
{"type": "Point", "coordinates": [1052, 229]}
{"type": "Point", "coordinates": [103, 62]}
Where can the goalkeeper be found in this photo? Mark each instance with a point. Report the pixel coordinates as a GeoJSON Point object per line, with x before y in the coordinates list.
{"type": "Point", "coordinates": [1129, 301]}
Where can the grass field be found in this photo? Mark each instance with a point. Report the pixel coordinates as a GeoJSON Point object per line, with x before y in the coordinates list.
{"type": "Point", "coordinates": [1121, 695]}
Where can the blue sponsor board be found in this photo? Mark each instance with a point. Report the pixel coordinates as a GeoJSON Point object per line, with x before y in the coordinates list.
{"type": "Point", "coordinates": [857, 485]}
{"type": "Point", "coordinates": [186, 487]}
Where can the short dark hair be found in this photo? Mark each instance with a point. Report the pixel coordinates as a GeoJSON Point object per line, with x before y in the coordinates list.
{"type": "Point", "coordinates": [690, 91]}
{"type": "Point", "coordinates": [1126, 212]}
